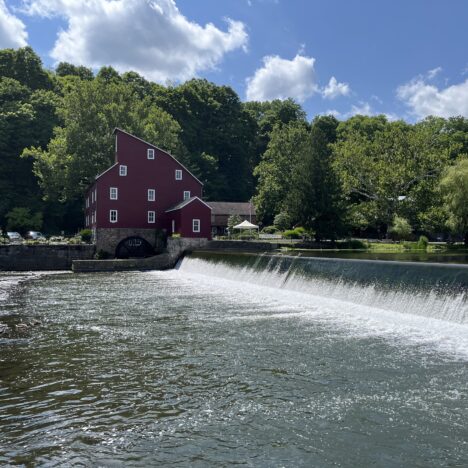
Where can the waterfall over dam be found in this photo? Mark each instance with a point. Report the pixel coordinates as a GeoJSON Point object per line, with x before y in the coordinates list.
{"type": "Point", "coordinates": [434, 290]}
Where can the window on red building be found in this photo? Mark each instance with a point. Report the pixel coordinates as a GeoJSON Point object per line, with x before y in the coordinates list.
{"type": "Point", "coordinates": [122, 170]}
{"type": "Point", "coordinates": [195, 225]}
{"type": "Point", "coordinates": [113, 216]}
{"type": "Point", "coordinates": [114, 193]}
{"type": "Point", "coordinates": [151, 194]}
{"type": "Point", "coordinates": [178, 174]}
{"type": "Point", "coordinates": [151, 217]}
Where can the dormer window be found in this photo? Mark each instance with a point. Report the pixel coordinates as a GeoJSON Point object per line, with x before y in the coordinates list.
{"type": "Point", "coordinates": [150, 153]}
{"type": "Point", "coordinates": [122, 170]}
{"type": "Point", "coordinates": [178, 174]}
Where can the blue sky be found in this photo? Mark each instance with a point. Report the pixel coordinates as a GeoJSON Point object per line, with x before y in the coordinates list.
{"type": "Point", "coordinates": [407, 59]}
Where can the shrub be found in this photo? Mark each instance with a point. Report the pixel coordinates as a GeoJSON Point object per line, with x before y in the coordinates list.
{"type": "Point", "coordinates": [423, 243]}
{"type": "Point", "coordinates": [297, 233]}
{"type": "Point", "coordinates": [270, 230]}
{"type": "Point", "coordinates": [410, 245]}
{"type": "Point", "coordinates": [86, 235]}
{"type": "Point", "coordinates": [353, 244]}
{"type": "Point", "coordinates": [21, 219]}
{"type": "Point", "coordinates": [401, 228]}
{"type": "Point", "coordinates": [282, 221]}
{"type": "Point", "coordinates": [175, 235]}
{"type": "Point", "coordinates": [101, 255]}
{"type": "Point", "coordinates": [247, 235]}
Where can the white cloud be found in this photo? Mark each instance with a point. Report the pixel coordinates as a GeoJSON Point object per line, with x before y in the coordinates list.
{"type": "Point", "coordinates": [361, 108]}
{"type": "Point", "coordinates": [281, 79]}
{"type": "Point", "coordinates": [12, 30]}
{"type": "Point", "coordinates": [425, 99]}
{"type": "Point", "coordinates": [433, 73]}
{"type": "Point", "coordinates": [335, 89]}
{"type": "Point", "coordinates": [151, 37]}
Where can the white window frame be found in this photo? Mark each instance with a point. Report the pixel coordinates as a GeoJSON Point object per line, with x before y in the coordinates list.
{"type": "Point", "coordinates": [122, 170]}
{"type": "Point", "coordinates": [196, 222]}
{"type": "Point", "coordinates": [150, 153]}
{"type": "Point", "coordinates": [178, 174]}
{"type": "Point", "coordinates": [187, 194]}
{"type": "Point", "coordinates": [111, 212]}
{"type": "Point", "coordinates": [151, 217]}
{"type": "Point", "coordinates": [92, 197]}
{"type": "Point", "coordinates": [113, 193]}
{"type": "Point", "coordinates": [151, 194]}
{"type": "Point", "coordinates": [95, 195]}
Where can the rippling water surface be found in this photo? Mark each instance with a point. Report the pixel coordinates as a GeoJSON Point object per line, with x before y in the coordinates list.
{"type": "Point", "coordinates": [181, 368]}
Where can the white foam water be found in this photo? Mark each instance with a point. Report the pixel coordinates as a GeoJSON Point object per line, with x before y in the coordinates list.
{"type": "Point", "coordinates": [420, 317]}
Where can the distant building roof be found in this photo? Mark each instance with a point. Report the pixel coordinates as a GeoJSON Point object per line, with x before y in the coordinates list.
{"type": "Point", "coordinates": [232, 208]}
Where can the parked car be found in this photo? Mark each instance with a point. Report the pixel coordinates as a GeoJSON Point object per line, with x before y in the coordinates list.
{"type": "Point", "coordinates": [35, 235]}
{"type": "Point", "coordinates": [15, 237]}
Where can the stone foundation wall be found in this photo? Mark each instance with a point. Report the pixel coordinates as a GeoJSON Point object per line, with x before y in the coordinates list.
{"type": "Point", "coordinates": [42, 257]}
{"type": "Point", "coordinates": [108, 239]}
{"type": "Point", "coordinates": [176, 248]}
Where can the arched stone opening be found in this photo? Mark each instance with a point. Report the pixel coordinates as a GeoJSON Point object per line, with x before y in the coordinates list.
{"type": "Point", "coordinates": [134, 247]}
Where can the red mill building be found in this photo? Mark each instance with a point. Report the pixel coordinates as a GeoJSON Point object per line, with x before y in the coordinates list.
{"type": "Point", "coordinates": [145, 192]}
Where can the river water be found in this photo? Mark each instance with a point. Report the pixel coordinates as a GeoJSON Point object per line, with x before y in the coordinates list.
{"type": "Point", "coordinates": [247, 360]}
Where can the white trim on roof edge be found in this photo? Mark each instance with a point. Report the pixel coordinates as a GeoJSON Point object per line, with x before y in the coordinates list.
{"type": "Point", "coordinates": [108, 169]}
{"type": "Point", "coordinates": [183, 204]}
{"type": "Point", "coordinates": [159, 149]}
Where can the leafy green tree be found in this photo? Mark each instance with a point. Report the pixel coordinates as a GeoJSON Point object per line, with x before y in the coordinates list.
{"type": "Point", "coordinates": [108, 74]}
{"type": "Point", "coordinates": [391, 165]}
{"type": "Point", "coordinates": [269, 114]}
{"type": "Point", "coordinates": [233, 220]}
{"type": "Point", "coordinates": [25, 66]}
{"type": "Point", "coordinates": [454, 187]}
{"type": "Point", "coordinates": [84, 146]}
{"type": "Point", "coordinates": [287, 146]}
{"type": "Point", "coordinates": [282, 221]}
{"type": "Point", "coordinates": [214, 123]}
{"type": "Point", "coordinates": [68, 69]}
{"type": "Point", "coordinates": [22, 220]}
{"type": "Point", "coordinates": [401, 228]}
{"type": "Point", "coordinates": [27, 117]}
{"type": "Point", "coordinates": [140, 85]}
{"type": "Point", "coordinates": [314, 200]}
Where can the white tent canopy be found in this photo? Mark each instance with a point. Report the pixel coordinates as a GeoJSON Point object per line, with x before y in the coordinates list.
{"type": "Point", "coordinates": [246, 225]}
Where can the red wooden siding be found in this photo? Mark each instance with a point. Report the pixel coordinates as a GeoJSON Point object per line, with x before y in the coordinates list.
{"type": "Point", "coordinates": [132, 204]}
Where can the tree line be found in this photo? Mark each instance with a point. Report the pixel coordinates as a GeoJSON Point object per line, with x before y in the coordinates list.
{"type": "Point", "coordinates": [334, 178]}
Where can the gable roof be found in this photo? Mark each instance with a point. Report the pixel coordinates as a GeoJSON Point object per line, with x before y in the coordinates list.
{"type": "Point", "coordinates": [232, 208]}
{"type": "Point", "coordinates": [185, 203]}
{"type": "Point", "coordinates": [117, 129]}
{"type": "Point", "coordinates": [103, 172]}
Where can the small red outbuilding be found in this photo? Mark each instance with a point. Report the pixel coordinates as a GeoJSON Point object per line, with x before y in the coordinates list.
{"type": "Point", "coordinates": [191, 218]}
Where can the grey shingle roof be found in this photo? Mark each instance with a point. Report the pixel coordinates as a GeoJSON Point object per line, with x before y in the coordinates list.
{"type": "Point", "coordinates": [185, 203]}
{"type": "Point", "coordinates": [232, 208]}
